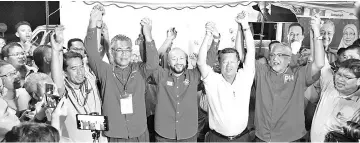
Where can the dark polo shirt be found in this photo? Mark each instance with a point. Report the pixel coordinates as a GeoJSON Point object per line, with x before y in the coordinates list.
{"type": "Point", "coordinates": [176, 113]}
{"type": "Point", "coordinates": [279, 109]}
{"type": "Point", "coordinates": [132, 79]}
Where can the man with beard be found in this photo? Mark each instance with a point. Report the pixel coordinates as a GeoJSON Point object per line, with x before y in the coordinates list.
{"type": "Point", "coordinates": [279, 109]}
{"type": "Point", "coordinates": [16, 56]}
{"type": "Point", "coordinates": [176, 112]}
{"type": "Point", "coordinates": [228, 93]}
{"type": "Point", "coordinates": [123, 84]}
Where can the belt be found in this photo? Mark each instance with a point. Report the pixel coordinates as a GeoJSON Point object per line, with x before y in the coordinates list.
{"type": "Point", "coordinates": [231, 137]}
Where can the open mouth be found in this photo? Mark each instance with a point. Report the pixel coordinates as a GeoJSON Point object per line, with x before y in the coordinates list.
{"type": "Point", "coordinates": [178, 66]}
{"type": "Point", "coordinates": [339, 84]}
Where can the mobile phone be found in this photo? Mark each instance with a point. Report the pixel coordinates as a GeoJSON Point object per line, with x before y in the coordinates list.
{"type": "Point", "coordinates": [49, 89]}
{"type": "Point", "coordinates": [51, 99]}
{"type": "Point", "coordinates": [92, 122]}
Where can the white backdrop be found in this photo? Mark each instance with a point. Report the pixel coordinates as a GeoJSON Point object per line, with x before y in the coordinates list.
{"type": "Point", "coordinates": [190, 23]}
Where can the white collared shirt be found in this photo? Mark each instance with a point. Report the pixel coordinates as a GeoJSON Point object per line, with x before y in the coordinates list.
{"type": "Point", "coordinates": [229, 103]}
{"type": "Point", "coordinates": [329, 106]}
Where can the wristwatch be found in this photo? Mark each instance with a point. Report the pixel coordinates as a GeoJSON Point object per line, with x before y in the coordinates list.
{"type": "Point", "coordinates": [217, 37]}
{"type": "Point", "coordinates": [246, 28]}
{"type": "Point", "coordinates": [319, 38]}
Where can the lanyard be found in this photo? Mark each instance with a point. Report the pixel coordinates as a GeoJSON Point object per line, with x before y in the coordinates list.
{"type": "Point", "coordinates": [127, 80]}
{"type": "Point", "coordinates": [87, 92]}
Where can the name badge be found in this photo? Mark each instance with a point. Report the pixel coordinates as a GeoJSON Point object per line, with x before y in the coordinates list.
{"type": "Point", "coordinates": [288, 78]}
{"type": "Point", "coordinates": [169, 83]}
{"type": "Point", "coordinates": [126, 104]}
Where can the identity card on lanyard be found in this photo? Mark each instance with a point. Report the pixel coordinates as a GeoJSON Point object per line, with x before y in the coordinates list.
{"type": "Point", "coordinates": [126, 104]}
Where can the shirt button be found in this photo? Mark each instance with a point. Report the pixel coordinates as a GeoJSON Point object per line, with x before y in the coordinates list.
{"type": "Point", "coordinates": [177, 95]}
{"type": "Point", "coordinates": [178, 103]}
{"type": "Point", "coordinates": [177, 87]}
{"type": "Point", "coordinates": [177, 121]}
{"type": "Point", "coordinates": [178, 112]}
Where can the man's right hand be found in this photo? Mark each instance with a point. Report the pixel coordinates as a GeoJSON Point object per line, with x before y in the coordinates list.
{"type": "Point", "coordinates": [56, 46]}
{"type": "Point", "coordinates": [59, 31]}
{"type": "Point", "coordinates": [242, 18]}
{"type": "Point", "coordinates": [171, 33]}
{"type": "Point", "coordinates": [146, 29]}
{"type": "Point", "coordinates": [95, 16]}
{"type": "Point", "coordinates": [209, 28]}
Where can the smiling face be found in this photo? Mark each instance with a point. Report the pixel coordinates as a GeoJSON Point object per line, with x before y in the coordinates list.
{"type": "Point", "coordinates": [177, 60]}
{"type": "Point", "coordinates": [229, 64]}
{"type": "Point", "coordinates": [295, 34]}
{"type": "Point", "coordinates": [16, 56]}
{"type": "Point", "coordinates": [75, 71]}
{"type": "Point", "coordinates": [122, 53]}
{"type": "Point", "coordinates": [280, 57]}
{"type": "Point", "coordinates": [327, 32]}
{"type": "Point", "coordinates": [349, 36]}
{"type": "Point", "coordinates": [345, 81]}
{"type": "Point", "coordinates": [9, 75]}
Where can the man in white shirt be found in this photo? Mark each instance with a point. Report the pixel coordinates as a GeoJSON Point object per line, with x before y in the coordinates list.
{"type": "Point", "coordinates": [228, 93]}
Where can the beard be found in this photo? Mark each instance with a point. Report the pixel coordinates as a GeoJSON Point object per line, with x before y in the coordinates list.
{"type": "Point", "coordinates": [178, 71]}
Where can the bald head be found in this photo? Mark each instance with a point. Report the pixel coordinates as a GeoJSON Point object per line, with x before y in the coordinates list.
{"type": "Point", "coordinates": [177, 51]}
{"type": "Point", "coordinates": [281, 48]}
{"type": "Point", "coordinates": [177, 60]}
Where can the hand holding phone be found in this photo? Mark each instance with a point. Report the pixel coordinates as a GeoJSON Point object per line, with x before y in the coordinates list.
{"type": "Point", "coordinates": [51, 99]}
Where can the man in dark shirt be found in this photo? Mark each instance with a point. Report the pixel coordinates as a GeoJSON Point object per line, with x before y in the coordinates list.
{"type": "Point", "coordinates": [123, 84]}
{"type": "Point", "coordinates": [279, 110]}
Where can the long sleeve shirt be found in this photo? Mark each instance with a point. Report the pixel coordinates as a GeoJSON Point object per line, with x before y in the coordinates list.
{"type": "Point", "coordinates": [115, 82]}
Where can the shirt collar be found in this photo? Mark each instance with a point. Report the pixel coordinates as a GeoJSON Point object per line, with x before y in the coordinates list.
{"type": "Point", "coordinates": [171, 73]}
{"type": "Point", "coordinates": [354, 96]}
{"type": "Point", "coordinates": [287, 71]}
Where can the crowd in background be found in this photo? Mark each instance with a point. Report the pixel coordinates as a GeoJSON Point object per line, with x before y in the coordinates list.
{"type": "Point", "coordinates": [165, 95]}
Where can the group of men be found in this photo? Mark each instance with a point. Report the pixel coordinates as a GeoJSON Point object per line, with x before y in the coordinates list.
{"type": "Point", "coordinates": [162, 84]}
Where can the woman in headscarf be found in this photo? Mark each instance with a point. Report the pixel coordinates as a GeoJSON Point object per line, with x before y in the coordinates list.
{"type": "Point", "coordinates": [350, 34]}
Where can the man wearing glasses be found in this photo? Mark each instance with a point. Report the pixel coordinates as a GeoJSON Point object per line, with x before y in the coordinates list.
{"type": "Point", "coordinates": [16, 56]}
{"type": "Point", "coordinates": [339, 94]}
{"type": "Point", "coordinates": [16, 97]}
{"type": "Point", "coordinates": [279, 109]}
{"type": "Point", "coordinates": [123, 84]}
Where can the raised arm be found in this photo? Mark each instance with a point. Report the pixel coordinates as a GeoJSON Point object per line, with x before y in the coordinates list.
{"type": "Point", "coordinates": [152, 56]}
{"type": "Point", "coordinates": [214, 47]}
{"type": "Point", "coordinates": [56, 60]}
{"type": "Point", "coordinates": [201, 62]}
{"type": "Point", "coordinates": [319, 58]}
{"type": "Point", "coordinates": [171, 35]}
{"type": "Point", "coordinates": [166, 46]}
{"type": "Point", "coordinates": [239, 43]}
{"type": "Point", "coordinates": [91, 44]}
{"type": "Point", "coordinates": [105, 42]}
{"type": "Point", "coordinates": [242, 20]}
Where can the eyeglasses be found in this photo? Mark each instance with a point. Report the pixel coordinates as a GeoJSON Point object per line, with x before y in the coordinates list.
{"type": "Point", "coordinates": [338, 75]}
{"type": "Point", "coordinates": [228, 62]}
{"type": "Point", "coordinates": [122, 51]}
{"type": "Point", "coordinates": [272, 55]}
{"type": "Point", "coordinates": [18, 54]}
{"type": "Point", "coordinates": [13, 73]}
